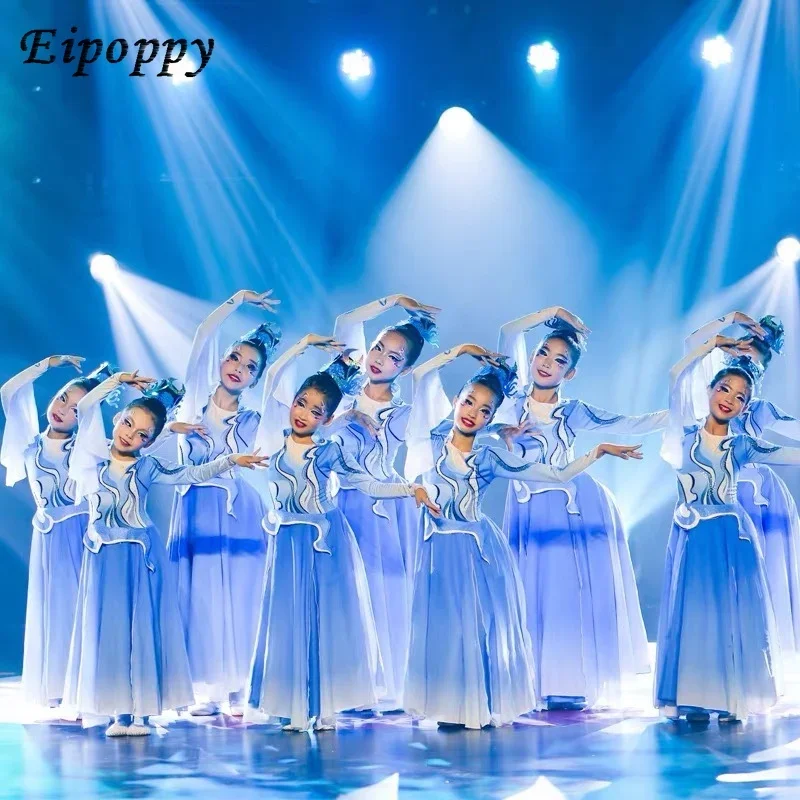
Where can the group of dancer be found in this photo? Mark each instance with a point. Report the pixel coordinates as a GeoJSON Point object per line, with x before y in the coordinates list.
{"type": "Point", "coordinates": [322, 581]}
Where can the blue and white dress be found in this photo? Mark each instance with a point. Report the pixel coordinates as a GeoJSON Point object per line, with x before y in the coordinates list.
{"type": "Point", "coordinates": [128, 654]}
{"type": "Point", "coordinates": [57, 541]}
{"type": "Point", "coordinates": [317, 649]}
{"type": "Point", "coordinates": [583, 609]}
{"type": "Point", "coordinates": [216, 542]}
{"type": "Point", "coordinates": [386, 530]}
{"type": "Point", "coordinates": [718, 645]}
{"type": "Point", "coordinates": [470, 659]}
{"type": "Point", "coordinates": [761, 491]}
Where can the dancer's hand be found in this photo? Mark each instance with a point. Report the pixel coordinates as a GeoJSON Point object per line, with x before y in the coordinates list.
{"type": "Point", "coordinates": [135, 380]}
{"type": "Point", "coordinates": [511, 433]}
{"type": "Point", "coordinates": [624, 451]}
{"type": "Point", "coordinates": [250, 460]}
{"type": "Point", "coordinates": [364, 420]}
{"type": "Point", "coordinates": [187, 428]}
{"type": "Point", "coordinates": [481, 353]}
{"type": "Point", "coordinates": [422, 499]}
{"type": "Point", "coordinates": [414, 306]}
{"type": "Point", "coordinates": [66, 361]}
{"type": "Point", "coordinates": [572, 319]}
{"type": "Point", "coordinates": [261, 300]}
{"type": "Point", "coordinates": [735, 347]}
{"type": "Point", "coordinates": [740, 318]}
{"type": "Point", "coordinates": [326, 343]}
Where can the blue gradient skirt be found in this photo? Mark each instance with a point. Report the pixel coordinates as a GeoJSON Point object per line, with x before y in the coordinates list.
{"type": "Point", "coordinates": [583, 610]}
{"type": "Point", "coordinates": [717, 642]}
{"type": "Point", "coordinates": [470, 659]}
{"type": "Point", "coordinates": [316, 648]}
{"type": "Point", "coordinates": [385, 531]}
{"type": "Point", "coordinates": [774, 515]}
{"type": "Point", "coordinates": [220, 567]}
{"type": "Point", "coordinates": [128, 654]}
{"type": "Point", "coordinates": [53, 576]}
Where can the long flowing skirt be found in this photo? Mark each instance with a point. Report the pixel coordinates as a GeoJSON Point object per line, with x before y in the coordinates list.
{"type": "Point", "coordinates": [778, 527]}
{"type": "Point", "coordinates": [220, 566]}
{"type": "Point", "coordinates": [316, 648]}
{"type": "Point", "coordinates": [470, 660]}
{"type": "Point", "coordinates": [128, 654]}
{"type": "Point", "coordinates": [382, 541]}
{"type": "Point", "coordinates": [53, 576]}
{"type": "Point", "coordinates": [717, 641]}
{"type": "Point", "coordinates": [583, 610]}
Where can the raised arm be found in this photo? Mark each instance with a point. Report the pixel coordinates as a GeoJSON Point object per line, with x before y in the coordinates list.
{"type": "Point", "coordinates": [716, 326]}
{"type": "Point", "coordinates": [588, 417]}
{"type": "Point", "coordinates": [349, 327]}
{"type": "Point", "coordinates": [22, 423]}
{"type": "Point", "coordinates": [761, 452]}
{"type": "Point", "coordinates": [204, 355]}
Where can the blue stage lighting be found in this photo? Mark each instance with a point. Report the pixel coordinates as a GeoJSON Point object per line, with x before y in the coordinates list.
{"type": "Point", "coordinates": [103, 267]}
{"type": "Point", "coordinates": [355, 64]}
{"type": "Point", "coordinates": [543, 57]}
{"type": "Point", "coordinates": [717, 51]}
{"type": "Point", "coordinates": [787, 251]}
{"type": "Point", "coordinates": [456, 122]}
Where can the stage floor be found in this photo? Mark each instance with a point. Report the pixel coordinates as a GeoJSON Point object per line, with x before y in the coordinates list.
{"type": "Point", "coordinates": [631, 754]}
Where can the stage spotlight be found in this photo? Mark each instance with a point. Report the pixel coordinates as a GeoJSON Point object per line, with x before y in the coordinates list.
{"type": "Point", "coordinates": [102, 267]}
{"type": "Point", "coordinates": [456, 122]}
{"type": "Point", "coordinates": [717, 51]}
{"type": "Point", "coordinates": [543, 57]}
{"type": "Point", "coordinates": [355, 64]}
{"type": "Point", "coordinates": [787, 251]}
{"type": "Point", "coordinates": [187, 65]}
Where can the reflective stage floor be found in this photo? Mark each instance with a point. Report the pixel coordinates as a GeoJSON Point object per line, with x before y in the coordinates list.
{"type": "Point", "coordinates": [599, 755]}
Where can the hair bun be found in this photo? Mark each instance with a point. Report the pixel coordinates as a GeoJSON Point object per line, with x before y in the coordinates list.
{"type": "Point", "coordinates": [346, 374]}
{"type": "Point", "coordinates": [167, 391]}
{"type": "Point", "coordinates": [267, 335]}
{"type": "Point", "coordinates": [746, 364]}
{"type": "Point", "coordinates": [774, 333]}
{"type": "Point", "coordinates": [505, 374]}
{"type": "Point", "coordinates": [426, 327]}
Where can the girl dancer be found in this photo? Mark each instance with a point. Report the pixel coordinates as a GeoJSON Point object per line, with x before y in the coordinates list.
{"type": "Point", "coordinates": [762, 492]}
{"type": "Point", "coordinates": [470, 660]}
{"type": "Point", "coordinates": [371, 431]}
{"type": "Point", "coordinates": [215, 536]}
{"type": "Point", "coordinates": [316, 649]}
{"type": "Point", "coordinates": [717, 641]}
{"type": "Point", "coordinates": [128, 657]}
{"type": "Point", "coordinates": [583, 609]}
{"type": "Point", "coordinates": [59, 522]}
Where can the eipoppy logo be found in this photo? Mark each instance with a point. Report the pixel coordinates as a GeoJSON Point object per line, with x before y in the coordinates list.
{"type": "Point", "coordinates": [37, 43]}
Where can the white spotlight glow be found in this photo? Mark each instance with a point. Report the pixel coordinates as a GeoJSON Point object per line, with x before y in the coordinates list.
{"type": "Point", "coordinates": [456, 122]}
{"type": "Point", "coordinates": [355, 64]}
{"type": "Point", "coordinates": [187, 65]}
{"type": "Point", "coordinates": [717, 51]}
{"type": "Point", "coordinates": [543, 57]}
{"type": "Point", "coordinates": [102, 267]}
{"type": "Point", "coordinates": [787, 251]}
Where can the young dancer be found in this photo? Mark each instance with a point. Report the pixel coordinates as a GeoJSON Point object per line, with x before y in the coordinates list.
{"type": "Point", "coordinates": [128, 658]}
{"type": "Point", "coordinates": [470, 660]}
{"type": "Point", "coordinates": [316, 650]}
{"type": "Point", "coordinates": [718, 649]}
{"type": "Point", "coordinates": [583, 609]}
{"type": "Point", "coordinates": [762, 492]}
{"type": "Point", "coordinates": [215, 535]}
{"type": "Point", "coordinates": [58, 524]}
{"type": "Point", "coordinates": [371, 430]}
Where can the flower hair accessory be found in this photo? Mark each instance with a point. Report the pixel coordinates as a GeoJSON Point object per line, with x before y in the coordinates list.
{"type": "Point", "coordinates": [347, 374]}
{"type": "Point", "coordinates": [266, 335]}
{"type": "Point", "coordinates": [774, 333]}
{"type": "Point", "coordinates": [167, 392]}
{"type": "Point", "coordinates": [426, 326]}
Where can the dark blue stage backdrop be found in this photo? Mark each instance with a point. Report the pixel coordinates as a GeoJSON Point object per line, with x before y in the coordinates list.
{"type": "Point", "coordinates": [635, 185]}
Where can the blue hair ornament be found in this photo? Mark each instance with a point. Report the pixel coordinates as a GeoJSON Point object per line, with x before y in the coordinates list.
{"type": "Point", "coordinates": [775, 334]}
{"type": "Point", "coordinates": [347, 375]}
{"type": "Point", "coordinates": [426, 326]}
{"type": "Point", "coordinates": [746, 364]}
{"type": "Point", "coordinates": [167, 391]}
{"type": "Point", "coordinates": [505, 373]}
{"type": "Point", "coordinates": [267, 335]}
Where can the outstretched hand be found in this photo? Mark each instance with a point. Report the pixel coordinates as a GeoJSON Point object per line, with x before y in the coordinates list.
{"type": "Point", "coordinates": [573, 320]}
{"type": "Point", "coordinates": [66, 361]}
{"type": "Point", "coordinates": [422, 499]}
{"type": "Point", "coordinates": [187, 428]}
{"type": "Point", "coordinates": [135, 380]}
{"type": "Point", "coordinates": [511, 433]}
{"type": "Point", "coordinates": [735, 347]}
{"type": "Point", "coordinates": [624, 451]}
{"type": "Point", "coordinates": [746, 321]}
{"type": "Point", "coordinates": [261, 300]}
{"type": "Point", "coordinates": [250, 460]}
{"type": "Point", "coordinates": [414, 306]}
{"type": "Point", "coordinates": [326, 343]}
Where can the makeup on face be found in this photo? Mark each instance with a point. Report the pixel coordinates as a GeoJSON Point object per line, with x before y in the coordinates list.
{"type": "Point", "coordinates": [474, 409]}
{"type": "Point", "coordinates": [133, 430]}
{"type": "Point", "coordinates": [386, 358]}
{"type": "Point", "coordinates": [308, 412]}
{"type": "Point", "coordinates": [239, 369]}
